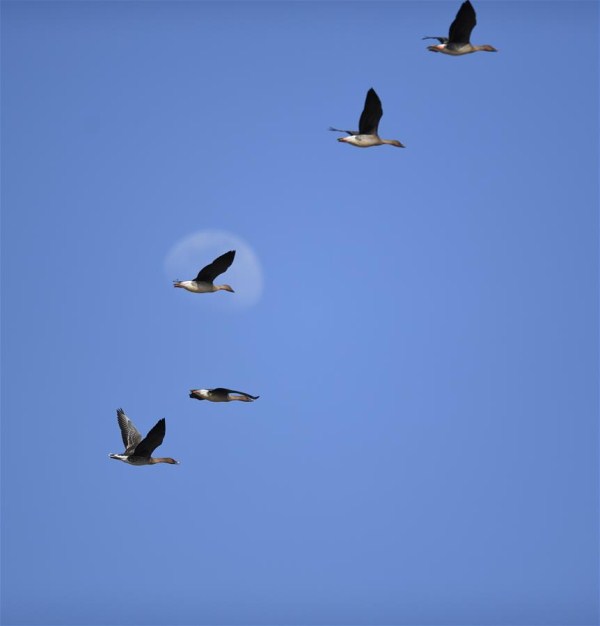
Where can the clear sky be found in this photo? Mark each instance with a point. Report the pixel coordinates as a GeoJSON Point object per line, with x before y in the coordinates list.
{"type": "Point", "coordinates": [421, 324]}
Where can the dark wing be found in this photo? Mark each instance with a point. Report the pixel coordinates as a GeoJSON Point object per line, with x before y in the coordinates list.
{"type": "Point", "coordinates": [369, 118]}
{"type": "Point", "coordinates": [463, 24]}
{"type": "Point", "coordinates": [130, 434]}
{"type": "Point", "coordinates": [440, 39]}
{"type": "Point", "coordinates": [222, 390]}
{"type": "Point", "coordinates": [152, 440]}
{"type": "Point", "coordinates": [218, 266]}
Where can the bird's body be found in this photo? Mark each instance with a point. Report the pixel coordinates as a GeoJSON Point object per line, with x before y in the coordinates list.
{"type": "Point", "coordinates": [458, 41]}
{"type": "Point", "coordinates": [221, 394]}
{"type": "Point", "coordinates": [459, 50]}
{"type": "Point", "coordinates": [366, 136]}
{"type": "Point", "coordinates": [196, 286]}
{"type": "Point", "coordinates": [138, 449]}
{"type": "Point", "coordinates": [367, 141]}
{"type": "Point", "coordinates": [132, 459]}
{"type": "Point", "coordinates": [203, 283]}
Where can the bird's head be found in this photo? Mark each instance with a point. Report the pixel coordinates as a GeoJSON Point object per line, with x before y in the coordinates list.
{"type": "Point", "coordinates": [198, 394]}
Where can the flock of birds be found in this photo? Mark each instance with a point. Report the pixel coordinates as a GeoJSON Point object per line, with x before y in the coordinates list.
{"type": "Point", "coordinates": [138, 449]}
{"type": "Point", "coordinates": [458, 42]}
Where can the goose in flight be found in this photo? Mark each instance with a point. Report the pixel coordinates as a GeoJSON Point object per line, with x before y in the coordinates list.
{"type": "Point", "coordinates": [220, 394]}
{"type": "Point", "coordinates": [203, 283]}
{"type": "Point", "coordinates": [458, 40]}
{"type": "Point", "coordinates": [138, 450]}
{"type": "Point", "coordinates": [366, 135]}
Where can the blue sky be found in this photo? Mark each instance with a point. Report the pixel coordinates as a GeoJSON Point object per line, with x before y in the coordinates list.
{"type": "Point", "coordinates": [425, 344]}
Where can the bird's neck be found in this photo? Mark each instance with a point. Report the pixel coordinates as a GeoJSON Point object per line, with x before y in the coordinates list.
{"type": "Point", "coordinates": [392, 142]}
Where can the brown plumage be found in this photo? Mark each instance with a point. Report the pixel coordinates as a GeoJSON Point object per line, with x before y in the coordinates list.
{"type": "Point", "coordinates": [138, 449]}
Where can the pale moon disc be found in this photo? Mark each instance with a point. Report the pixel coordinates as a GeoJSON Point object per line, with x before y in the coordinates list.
{"type": "Point", "coordinates": [191, 253]}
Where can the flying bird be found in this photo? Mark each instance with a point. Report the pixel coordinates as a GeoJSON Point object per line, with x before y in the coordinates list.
{"type": "Point", "coordinates": [220, 394]}
{"type": "Point", "coordinates": [138, 450]}
{"type": "Point", "coordinates": [458, 40]}
{"type": "Point", "coordinates": [203, 283]}
{"type": "Point", "coordinates": [366, 135]}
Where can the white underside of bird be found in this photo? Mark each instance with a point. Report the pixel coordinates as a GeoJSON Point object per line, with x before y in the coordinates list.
{"type": "Point", "coordinates": [199, 287]}
{"type": "Point", "coordinates": [367, 141]}
{"type": "Point", "coordinates": [442, 47]}
{"type": "Point", "coordinates": [361, 141]}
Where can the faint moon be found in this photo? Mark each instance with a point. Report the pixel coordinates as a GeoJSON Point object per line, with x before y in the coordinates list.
{"type": "Point", "coordinates": [191, 253]}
